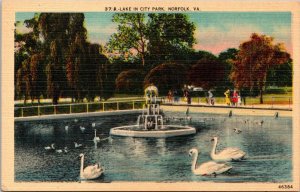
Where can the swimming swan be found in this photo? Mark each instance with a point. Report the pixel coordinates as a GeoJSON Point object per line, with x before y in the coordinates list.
{"type": "Point", "coordinates": [90, 172]}
{"type": "Point", "coordinates": [50, 148]}
{"type": "Point", "coordinates": [207, 168]}
{"type": "Point", "coordinates": [227, 154]}
{"type": "Point", "coordinates": [76, 145]}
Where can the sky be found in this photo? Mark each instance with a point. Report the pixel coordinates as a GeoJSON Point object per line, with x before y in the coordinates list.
{"type": "Point", "coordinates": [215, 31]}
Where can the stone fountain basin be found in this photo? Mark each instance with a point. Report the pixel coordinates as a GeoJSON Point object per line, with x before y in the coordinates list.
{"type": "Point", "coordinates": [167, 131]}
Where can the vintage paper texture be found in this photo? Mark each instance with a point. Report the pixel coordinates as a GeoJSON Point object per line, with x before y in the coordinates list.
{"type": "Point", "coordinates": [9, 10]}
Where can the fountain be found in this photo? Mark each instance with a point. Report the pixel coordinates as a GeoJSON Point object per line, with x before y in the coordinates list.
{"type": "Point", "coordinates": [151, 122]}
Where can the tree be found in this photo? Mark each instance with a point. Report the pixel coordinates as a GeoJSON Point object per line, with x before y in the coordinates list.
{"type": "Point", "coordinates": [254, 59]}
{"type": "Point", "coordinates": [166, 76]}
{"type": "Point", "coordinates": [171, 36]}
{"type": "Point", "coordinates": [156, 38]}
{"type": "Point", "coordinates": [281, 75]}
{"type": "Point", "coordinates": [225, 57]}
{"type": "Point", "coordinates": [130, 81]}
{"type": "Point", "coordinates": [206, 73]}
{"type": "Point", "coordinates": [131, 36]}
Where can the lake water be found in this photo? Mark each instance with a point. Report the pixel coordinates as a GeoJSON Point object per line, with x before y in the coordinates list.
{"type": "Point", "coordinates": [268, 148]}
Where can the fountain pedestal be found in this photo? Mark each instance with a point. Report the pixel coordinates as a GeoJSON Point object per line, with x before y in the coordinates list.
{"type": "Point", "coordinates": [151, 124]}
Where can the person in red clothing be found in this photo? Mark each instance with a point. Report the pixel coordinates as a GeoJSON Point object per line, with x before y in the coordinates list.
{"type": "Point", "coordinates": [235, 97]}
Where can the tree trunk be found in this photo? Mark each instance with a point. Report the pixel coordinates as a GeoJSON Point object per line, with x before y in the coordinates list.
{"type": "Point", "coordinates": [261, 96]}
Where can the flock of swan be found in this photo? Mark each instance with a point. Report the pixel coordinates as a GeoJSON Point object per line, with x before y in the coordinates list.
{"type": "Point", "coordinates": [212, 167]}
{"type": "Point", "coordinates": [218, 165]}
{"type": "Point", "coordinates": [90, 171]}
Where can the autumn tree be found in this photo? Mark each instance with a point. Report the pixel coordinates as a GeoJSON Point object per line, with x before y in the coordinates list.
{"type": "Point", "coordinates": [166, 76]}
{"type": "Point", "coordinates": [253, 61]}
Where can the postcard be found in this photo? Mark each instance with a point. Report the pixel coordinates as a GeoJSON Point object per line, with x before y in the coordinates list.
{"type": "Point", "coordinates": [150, 95]}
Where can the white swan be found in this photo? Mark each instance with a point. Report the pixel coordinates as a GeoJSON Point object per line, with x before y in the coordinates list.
{"type": "Point", "coordinates": [96, 139]}
{"type": "Point", "coordinates": [82, 129]}
{"type": "Point", "coordinates": [207, 168]}
{"type": "Point", "coordinates": [51, 147]}
{"type": "Point", "coordinates": [75, 120]}
{"type": "Point", "coordinates": [227, 154]}
{"type": "Point", "coordinates": [67, 128]}
{"type": "Point", "coordinates": [65, 150]}
{"type": "Point", "coordinates": [90, 172]}
{"type": "Point", "coordinates": [94, 125]}
{"type": "Point", "coordinates": [76, 145]}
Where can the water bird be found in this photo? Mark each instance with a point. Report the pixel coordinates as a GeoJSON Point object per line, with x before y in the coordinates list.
{"type": "Point", "coordinates": [96, 139]}
{"type": "Point", "coordinates": [276, 115]}
{"type": "Point", "coordinates": [77, 145]}
{"type": "Point", "coordinates": [82, 129]}
{"type": "Point", "coordinates": [259, 122]}
{"type": "Point", "coordinates": [75, 120]}
{"type": "Point", "coordinates": [67, 128]}
{"type": "Point", "coordinates": [227, 154]}
{"type": "Point", "coordinates": [93, 124]}
{"type": "Point", "coordinates": [207, 168]}
{"type": "Point", "coordinates": [50, 148]}
{"type": "Point", "coordinates": [91, 171]}
{"type": "Point", "coordinates": [65, 150]}
{"type": "Point", "coordinates": [246, 121]}
{"type": "Point", "coordinates": [237, 131]}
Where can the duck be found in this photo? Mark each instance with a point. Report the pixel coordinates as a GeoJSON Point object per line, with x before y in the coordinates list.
{"type": "Point", "coordinates": [93, 124]}
{"type": "Point", "coordinates": [50, 148]}
{"type": "Point", "coordinates": [75, 120]}
{"type": "Point", "coordinates": [82, 129]}
{"type": "Point", "coordinates": [76, 145]}
{"type": "Point", "coordinates": [237, 131]}
{"type": "Point", "coordinates": [91, 171]}
{"type": "Point", "coordinates": [227, 154]}
{"type": "Point", "coordinates": [207, 168]}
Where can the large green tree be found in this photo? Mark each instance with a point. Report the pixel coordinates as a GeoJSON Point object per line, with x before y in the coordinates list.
{"type": "Point", "coordinates": [253, 61]}
{"type": "Point", "coordinates": [131, 37]}
{"type": "Point", "coordinates": [171, 36]}
{"type": "Point", "coordinates": [155, 38]}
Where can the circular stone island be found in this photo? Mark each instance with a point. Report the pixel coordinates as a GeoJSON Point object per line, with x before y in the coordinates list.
{"type": "Point", "coordinates": [164, 132]}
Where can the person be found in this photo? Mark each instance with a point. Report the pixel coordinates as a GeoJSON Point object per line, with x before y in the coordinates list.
{"type": "Point", "coordinates": [170, 96]}
{"type": "Point", "coordinates": [187, 96]}
{"type": "Point", "coordinates": [239, 99]}
{"type": "Point", "coordinates": [235, 98]}
{"type": "Point", "coordinates": [210, 98]}
{"type": "Point", "coordinates": [227, 97]}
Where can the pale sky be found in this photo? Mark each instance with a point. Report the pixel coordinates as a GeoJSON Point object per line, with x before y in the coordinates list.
{"type": "Point", "coordinates": [215, 31]}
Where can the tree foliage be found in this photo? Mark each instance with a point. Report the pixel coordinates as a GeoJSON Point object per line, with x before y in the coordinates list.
{"type": "Point", "coordinates": [254, 59]}
{"type": "Point", "coordinates": [153, 39]}
{"type": "Point", "coordinates": [206, 73]}
{"type": "Point", "coordinates": [166, 76]}
{"type": "Point", "coordinates": [130, 81]}
{"type": "Point", "coordinates": [131, 37]}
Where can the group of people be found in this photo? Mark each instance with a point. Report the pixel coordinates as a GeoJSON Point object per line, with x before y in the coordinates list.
{"type": "Point", "coordinates": [233, 99]}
